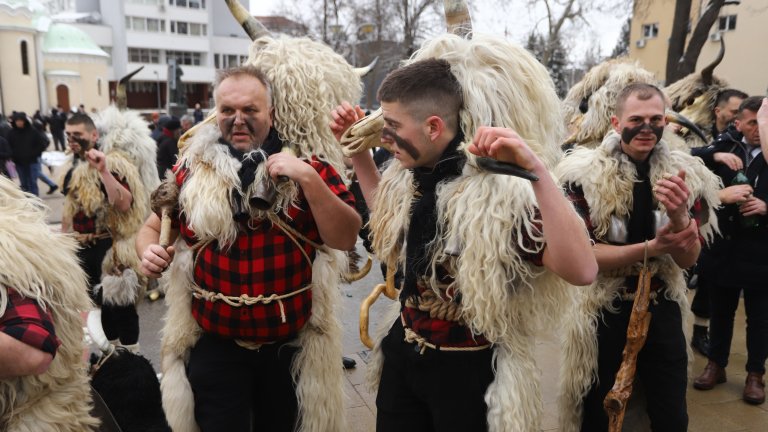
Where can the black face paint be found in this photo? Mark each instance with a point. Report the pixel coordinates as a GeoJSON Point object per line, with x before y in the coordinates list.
{"type": "Point", "coordinates": [250, 124]}
{"type": "Point", "coordinates": [628, 134]}
{"type": "Point", "coordinates": [403, 144]}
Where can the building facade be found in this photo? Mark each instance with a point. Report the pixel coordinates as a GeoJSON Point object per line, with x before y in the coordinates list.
{"type": "Point", "coordinates": [45, 64]}
{"type": "Point", "coordinates": [198, 35]}
{"type": "Point", "coordinates": [742, 27]}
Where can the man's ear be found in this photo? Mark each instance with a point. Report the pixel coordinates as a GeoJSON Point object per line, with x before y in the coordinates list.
{"type": "Point", "coordinates": [95, 135]}
{"type": "Point", "coordinates": [435, 127]}
{"type": "Point", "coordinates": [615, 123]}
{"type": "Point", "coordinates": [271, 115]}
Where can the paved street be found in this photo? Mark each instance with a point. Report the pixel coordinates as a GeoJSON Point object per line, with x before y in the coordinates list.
{"type": "Point", "coordinates": [719, 410]}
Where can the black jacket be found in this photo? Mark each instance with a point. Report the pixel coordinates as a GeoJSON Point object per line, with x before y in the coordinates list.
{"type": "Point", "coordinates": [27, 143]}
{"type": "Point", "coordinates": [737, 257]}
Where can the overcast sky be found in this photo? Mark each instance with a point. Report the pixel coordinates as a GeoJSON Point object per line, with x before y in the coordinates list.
{"type": "Point", "coordinates": [517, 21]}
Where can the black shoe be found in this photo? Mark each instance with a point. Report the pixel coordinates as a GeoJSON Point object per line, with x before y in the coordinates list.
{"type": "Point", "coordinates": [52, 189]}
{"type": "Point", "coordinates": [348, 362]}
{"type": "Point", "coordinates": [700, 339]}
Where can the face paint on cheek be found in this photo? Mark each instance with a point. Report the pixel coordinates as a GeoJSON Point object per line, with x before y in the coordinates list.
{"type": "Point", "coordinates": [628, 134]}
{"type": "Point", "coordinates": [226, 126]}
{"type": "Point", "coordinates": [407, 147]}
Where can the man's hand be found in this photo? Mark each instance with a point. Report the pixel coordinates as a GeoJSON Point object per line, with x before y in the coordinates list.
{"type": "Point", "coordinates": [735, 194]}
{"type": "Point", "coordinates": [504, 145]}
{"type": "Point", "coordinates": [729, 159]}
{"type": "Point", "coordinates": [669, 242]}
{"type": "Point", "coordinates": [344, 116]}
{"type": "Point", "coordinates": [96, 159]}
{"type": "Point", "coordinates": [672, 193]}
{"type": "Point", "coordinates": [753, 206]}
{"type": "Point", "coordinates": [288, 165]}
{"type": "Point", "coordinates": [155, 259]}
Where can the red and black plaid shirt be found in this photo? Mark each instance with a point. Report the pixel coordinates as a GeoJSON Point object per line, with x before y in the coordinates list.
{"type": "Point", "coordinates": [26, 321]}
{"type": "Point", "coordinates": [87, 224]}
{"type": "Point", "coordinates": [262, 261]}
{"type": "Point", "coordinates": [444, 333]}
{"type": "Point", "coordinates": [576, 195]}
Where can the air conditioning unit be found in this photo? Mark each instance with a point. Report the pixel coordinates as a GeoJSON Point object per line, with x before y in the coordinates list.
{"type": "Point", "coordinates": [715, 37]}
{"type": "Point", "coordinates": [640, 43]}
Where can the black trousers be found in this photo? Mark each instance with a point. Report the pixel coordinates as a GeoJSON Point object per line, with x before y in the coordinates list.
{"type": "Point", "coordinates": [700, 306]}
{"type": "Point", "coordinates": [725, 300]}
{"type": "Point", "coordinates": [119, 322]}
{"type": "Point", "coordinates": [661, 367]}
{"type": "Point", "coordinates": [435, 391]}
{"type": "Point", "coordinates": [242, 390]}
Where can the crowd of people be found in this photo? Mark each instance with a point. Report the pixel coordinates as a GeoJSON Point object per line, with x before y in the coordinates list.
{"type": "Point", "coordinates": [248, 226]}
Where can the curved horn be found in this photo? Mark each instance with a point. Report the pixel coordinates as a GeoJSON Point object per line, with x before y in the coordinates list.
{"type": "Point", "coordinates": [251, 25]}
{"type": "Point", "coordinates": [354, 277]}
{"type": "Point", "coordinates": [678, 118]}
{"type": "Point", "coordinates": [707, 72]}
{"type": "Point", "coordinates": [457, 18]}
{"type": "Point", "coordinates": [365, 70]}
{"type": "Point", "coordinates": [121, 96]}
{"type": "Point", "coordinates": [97, 332]}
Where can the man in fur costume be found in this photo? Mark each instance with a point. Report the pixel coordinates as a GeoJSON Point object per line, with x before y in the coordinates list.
{"type": "Point", "coordinates": [634, 189]}
{"type": "Point", "coordinates": [106, 202]}
{"type": "Point", "coordinates": [481, 253]}
{"type": "Point", "coordinates": [261, 346]}
{"type": "Point", "coordinates": [43, 380]}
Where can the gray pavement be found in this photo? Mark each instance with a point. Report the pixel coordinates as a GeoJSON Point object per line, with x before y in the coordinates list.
{"type": "Point", "coordinates": [720, 409]}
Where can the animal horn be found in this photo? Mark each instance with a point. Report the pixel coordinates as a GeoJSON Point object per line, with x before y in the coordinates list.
{"type": "Point", "coordinates": [365, 70]}
{"type": "Point", "coordinates": [121, 96]}
{"type": "Point", "coordinates": [706, 73]}
{"type": "Point", "coordinates": [457, 18]}
{"type": "Point", "coordinates": [251, 25]}
{"type": "Point", "coordinates": [97, 332]}
{"type": "Point", "coordinates": [678, 118]}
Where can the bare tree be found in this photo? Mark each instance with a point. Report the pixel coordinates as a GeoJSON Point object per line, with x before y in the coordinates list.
{"type": "Point", "coordinates": [681, 58]}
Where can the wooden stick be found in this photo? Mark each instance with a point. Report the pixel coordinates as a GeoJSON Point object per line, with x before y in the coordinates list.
{"type": "Point", "coordinates": [165, 227]}
{"type": "Point", "coordinates": [615, 402]}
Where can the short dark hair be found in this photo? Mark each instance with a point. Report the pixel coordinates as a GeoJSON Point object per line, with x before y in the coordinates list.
{"type": "Point", "coordinates": [84, 119]}
{"type": "Point", "coordinates": [642, 91]}
{"type": "Point", "coordinates": [751, 103]}
{"type": "Point", "coordinates": [426, 87]}
{"type": "Point", "coordinates": [724, 96]}
{"type": "Point", "coordinates": [247, 70]}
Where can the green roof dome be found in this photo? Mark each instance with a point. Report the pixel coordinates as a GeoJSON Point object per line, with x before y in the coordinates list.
{"type": "Point", "coordinates": [66, 39]}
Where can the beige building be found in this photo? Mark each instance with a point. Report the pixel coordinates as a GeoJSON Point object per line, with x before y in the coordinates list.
{"type": "Point", "coordinates": [45, 64]}
{"type": "Point", "coordinates": [743, 27]}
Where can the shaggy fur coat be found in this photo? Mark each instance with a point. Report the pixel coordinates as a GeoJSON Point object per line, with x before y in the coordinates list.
{"type": "Point", "coordinates": [204, 200]}
{"type": "Point", "coordinates": [43, 265]}
{"type": "Point", "coordinates": [504, 298]}
{"type": "Point", "coordinates": [589, 168]}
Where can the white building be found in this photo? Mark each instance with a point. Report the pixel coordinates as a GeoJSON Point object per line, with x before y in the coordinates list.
{"type": "Point", "coordinates": [201, 35]}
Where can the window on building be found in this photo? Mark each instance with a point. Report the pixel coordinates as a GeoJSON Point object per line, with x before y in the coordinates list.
{"type": "Point", "coordinates": [650, 30]}
{"type": "Point", "coordinates": [189, 28]}
{"type": "Point", "coordinates": [98, 86]}
{"type": "Point", "coordinates": [147, 2]}
{"type": "Point", "coordinates": [24, 58]}
{"type": "Point", "coordinates": [216, 61]}
{"type": "Point", "coordinates": [192, 4]}
{"type": "Point", "coordinates": [726, 23]}
{"type": "Point", "coordinates": [145, 24]}
{"type": "Point", "coordinates": [143, 55]}
{"type": "Point", "coordinates": [185, 57]}
{"type": "Point", "coordinates": [108, 50]}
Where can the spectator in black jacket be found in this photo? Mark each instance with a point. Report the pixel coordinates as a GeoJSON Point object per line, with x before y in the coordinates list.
{"type": "Point", "coordinates": [735, 262]}
{"type": "Point", "coordinates": [56, 125]}
{"type": "Point", "coordinates": [27, 144]}
{"type": "Point", "coordinates": [167, 146]}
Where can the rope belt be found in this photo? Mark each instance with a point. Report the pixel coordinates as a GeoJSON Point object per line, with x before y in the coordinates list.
{"type": "Point", "coordinates": [634, 270]}
{"type": "Point", "coordinates": [413, 337]}
{"type": "Point", "coordinates": [85, 238]}
{"type": "Point", "coordinates": [630, 296]}
{"type": "Point", "coordinates": [245, 299]}
{"type": "Point", "coordinates": [436, 306]}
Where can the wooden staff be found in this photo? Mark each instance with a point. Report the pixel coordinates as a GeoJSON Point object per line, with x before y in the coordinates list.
{"type": "Point", "coordinates": [164, 200]}
{"type": "Point", "coordinates": [389, 290]}
{"type": "Point", "coordinates": [615, 402]}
